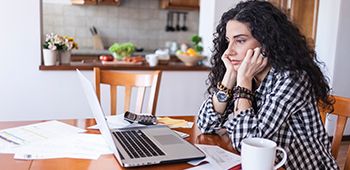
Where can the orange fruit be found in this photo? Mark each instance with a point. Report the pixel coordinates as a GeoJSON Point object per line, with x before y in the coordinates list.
{"type": "Point", "coordinates": [191, 52]}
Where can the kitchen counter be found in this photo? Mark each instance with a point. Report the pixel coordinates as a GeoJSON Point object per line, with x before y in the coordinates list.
{"type": "Point", "coordinates": [89, 62]}
{"type": "Point", "coordinates": [176, 66]}
{"type": "Point", "coordinates": [172, 66]}
{"type": "Point", "coordinates": [87, 59]}
{"type": "Point", "coordinates": [87, 51]}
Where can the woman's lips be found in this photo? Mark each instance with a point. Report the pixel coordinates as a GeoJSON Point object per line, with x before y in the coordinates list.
{"type": "Point", "coordinates": [235, 62]}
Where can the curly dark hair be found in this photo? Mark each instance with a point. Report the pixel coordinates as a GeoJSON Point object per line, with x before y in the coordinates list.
{"type": "Point", "coordinates": [284, 45]}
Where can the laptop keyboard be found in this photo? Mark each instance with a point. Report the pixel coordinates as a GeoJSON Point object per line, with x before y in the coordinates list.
{"type": "Point", "coordinates": [137, 144]}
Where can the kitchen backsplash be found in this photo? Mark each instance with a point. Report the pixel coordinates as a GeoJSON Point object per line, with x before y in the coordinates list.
{"type": "Point", "coordinates": [139, 21]}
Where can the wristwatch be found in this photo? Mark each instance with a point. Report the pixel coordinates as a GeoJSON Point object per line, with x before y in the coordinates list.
{"type": "Point", "coordinates": [223, 94]}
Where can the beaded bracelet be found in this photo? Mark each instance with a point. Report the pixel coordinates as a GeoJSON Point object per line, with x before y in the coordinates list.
{"type": "Point", "coordinates": [224, 88]}
{"type": "Point", "coordinates": [241, 92]}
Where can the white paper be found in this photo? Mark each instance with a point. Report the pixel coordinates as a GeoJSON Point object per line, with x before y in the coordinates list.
{"type": "Point", "coordinates": [219, 158]}
{"type": "Point", "coordinates": [188, 125]}
{"type": "Point", "coordinates": [14, 137]}
{"type": "Point", "coordinates": [181, 134]}
{"type": "Point", "coordinates": [32, 156]}
{"type": "Point", "coordinates": [206, 166]}
{"type": "Point", "coordinates": [116, 122]}
{"type": "Point", "coordinates": [83, 146]}
{"type": "Point", "coordinates": [6, 147]}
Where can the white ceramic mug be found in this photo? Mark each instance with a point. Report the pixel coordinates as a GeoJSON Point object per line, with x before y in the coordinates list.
{"type": "Point", "coordinates": [152, 59]}
{"type": "Point", "coordinates": [260, 153]}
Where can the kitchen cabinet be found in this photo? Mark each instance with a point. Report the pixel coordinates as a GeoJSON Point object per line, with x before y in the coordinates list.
{"type": "Point", "coordinates": [96, 2]}
{"type": "Point", "coordinates": [303, 13]}
{"type": "Point", "coordinates": [180, 4]}
{"type": "Point", "coordinates": [108, 2]}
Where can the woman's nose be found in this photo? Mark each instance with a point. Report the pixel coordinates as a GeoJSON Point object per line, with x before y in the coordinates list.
{"type": "Point", "coordinates": [230, 49]}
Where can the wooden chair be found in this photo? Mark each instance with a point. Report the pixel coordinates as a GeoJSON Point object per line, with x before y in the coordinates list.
{"type": "Point", "coordinates": [129, 80]}
{"type": "Point", "coordinates": [342, 110]}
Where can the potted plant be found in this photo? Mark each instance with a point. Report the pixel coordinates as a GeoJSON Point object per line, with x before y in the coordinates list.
{"type": "Point", "coordinates": [65, 53]}
{"type": "Point", "coordinates": [197, 46]}
{"type": "Point", "coordinates": [119, 51]}
{"type": "Point", "coordinates": [52, 44]}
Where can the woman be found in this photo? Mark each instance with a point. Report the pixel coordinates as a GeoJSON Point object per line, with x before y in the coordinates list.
{"type": "Point", "coordinates": [265, 82]}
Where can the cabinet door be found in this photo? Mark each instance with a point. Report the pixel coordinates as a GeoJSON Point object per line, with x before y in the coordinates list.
{"type": "Point", "coordinates": [108, 2]}
{"type": "Point", "coordinates": [180, 4]}
{"type": "Point", "coordinates": [302, 13]}
{"type": "Point", "coordinates": [84, 2]}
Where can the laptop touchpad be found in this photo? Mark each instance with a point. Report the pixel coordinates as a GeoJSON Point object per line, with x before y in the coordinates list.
{"type": "Point", "coordinates": [167, 139]}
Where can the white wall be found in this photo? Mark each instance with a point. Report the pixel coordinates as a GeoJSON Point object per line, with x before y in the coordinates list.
{"type": "Point", "coordinates": [341, 78]}
{"type": "Point", "coordinates": [27, 93]}
{"type": "Point", "coordinates": [209, 17]}
{"type": "Point", "coordinates": [326, 38]}
{"type": "Point", "coordinates": [332, 47]}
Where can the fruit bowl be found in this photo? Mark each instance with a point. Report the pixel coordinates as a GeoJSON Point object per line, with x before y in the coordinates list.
{"type": "Point", "coordinates": [190, 60]}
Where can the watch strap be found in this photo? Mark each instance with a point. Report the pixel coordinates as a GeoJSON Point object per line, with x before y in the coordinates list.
{"type": "Point", "coordinates": [221, 87]}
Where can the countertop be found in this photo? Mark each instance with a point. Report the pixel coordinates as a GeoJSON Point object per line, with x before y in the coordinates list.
{"type": "Point", "coordinates": [89, 51]}
{"type": "Point", "coordinates": [172, 66]}
{"type": "Point", "coordinates": [87, 59]}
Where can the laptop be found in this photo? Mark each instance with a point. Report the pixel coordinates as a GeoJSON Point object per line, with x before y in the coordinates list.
{"type": "Point", "coordinates": [139, 146]}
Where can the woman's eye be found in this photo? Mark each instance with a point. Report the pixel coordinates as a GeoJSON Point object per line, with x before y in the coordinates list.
{"type": "Point", "coordinates": [240, 41]}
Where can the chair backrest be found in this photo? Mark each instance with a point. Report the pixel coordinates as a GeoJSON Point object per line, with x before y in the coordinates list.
{"type": "Point", "coordinates": [342, 110]}
{"type": "Point", "coordinates": [141, 81]}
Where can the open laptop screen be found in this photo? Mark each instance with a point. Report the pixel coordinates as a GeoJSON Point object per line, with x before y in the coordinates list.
{"type": "Point", "coordinates": [98, 113]}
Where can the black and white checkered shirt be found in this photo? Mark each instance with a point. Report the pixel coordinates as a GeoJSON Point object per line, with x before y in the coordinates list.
{"type": "Point", "coordinates": [286, 112]}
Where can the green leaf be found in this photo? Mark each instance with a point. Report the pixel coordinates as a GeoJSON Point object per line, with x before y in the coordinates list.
{"type": "Point", "coordinates": [196, 39]}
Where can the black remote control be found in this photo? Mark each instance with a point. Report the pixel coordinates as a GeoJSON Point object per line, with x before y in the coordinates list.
{"type": "Point", "coordinates": [141, 119]}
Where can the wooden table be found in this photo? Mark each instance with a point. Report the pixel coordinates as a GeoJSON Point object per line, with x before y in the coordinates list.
{"type": "Point", "coordinates": [106, 162]}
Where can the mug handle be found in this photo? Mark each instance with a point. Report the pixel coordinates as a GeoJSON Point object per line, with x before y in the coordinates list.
{"type": "Point", "coordinates": [283, 160]}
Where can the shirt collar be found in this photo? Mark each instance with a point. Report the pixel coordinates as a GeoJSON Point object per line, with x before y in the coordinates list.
{"type": "Point", "coordinates": [263, 85]}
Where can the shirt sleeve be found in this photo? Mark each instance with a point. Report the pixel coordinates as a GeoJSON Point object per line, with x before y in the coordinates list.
{"type": "Point", "coordinates": [210, 121]}
{"type": "Point", "coordinates": [287, 95]}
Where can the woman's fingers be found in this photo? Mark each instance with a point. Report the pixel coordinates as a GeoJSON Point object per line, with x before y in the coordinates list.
{"type": "Point", "coordinates": [253, 63]}
{"type": "Point", "coordinates": [248, 56]}
{"type": "Point", "coordinates": [225, 59]}
{"type": "Point", "coordinates": [255, 56]}
{"type": "Point", "coordinates": [263, 64]}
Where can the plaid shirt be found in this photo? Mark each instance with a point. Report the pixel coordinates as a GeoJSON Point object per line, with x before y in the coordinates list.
{"type": "Point", "coordinates": [285, 111]}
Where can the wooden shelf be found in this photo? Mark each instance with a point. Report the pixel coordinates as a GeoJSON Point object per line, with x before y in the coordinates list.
{"type": "Point", "coordinates": [145, 67]}
{"type": "Point", "coordinates": [180, 4]}
{"type": "Point", "coordinates": [96, 2]}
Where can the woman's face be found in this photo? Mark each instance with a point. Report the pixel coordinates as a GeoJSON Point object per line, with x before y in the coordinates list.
{"type": "Point", "coordinates": [239, 40]}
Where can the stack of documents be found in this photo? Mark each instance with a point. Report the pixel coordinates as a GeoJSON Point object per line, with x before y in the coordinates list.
{"type": "Point", "coordinates": [216, 157]}
{"type": "Point", "coordinates": [117, 121]}
{"type": "Point", "coordinates": [174, 123]}
{"type": "Point", "coordinates": [52, 139]}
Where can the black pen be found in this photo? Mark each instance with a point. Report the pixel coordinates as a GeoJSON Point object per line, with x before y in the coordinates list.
{"type": "Point", "coordinates": [8, 140]}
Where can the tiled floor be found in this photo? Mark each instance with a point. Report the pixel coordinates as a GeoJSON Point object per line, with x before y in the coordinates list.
{"type": "Point", "coordinates": [342, 154]}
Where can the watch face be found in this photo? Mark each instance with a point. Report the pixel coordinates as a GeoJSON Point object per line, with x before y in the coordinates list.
{"type": "Point", "coordinates": [222, 96]}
